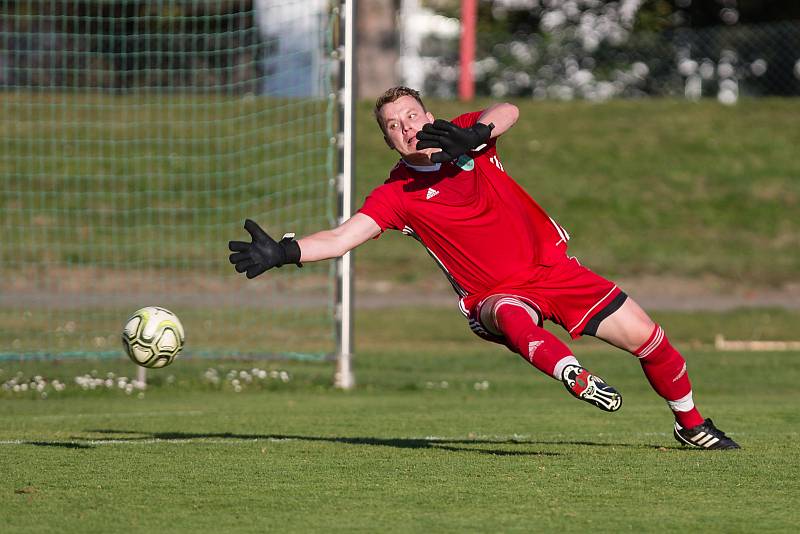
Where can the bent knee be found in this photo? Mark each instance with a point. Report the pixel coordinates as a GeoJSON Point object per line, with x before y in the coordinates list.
{"type": "Point", "coordinates": [492, 307]}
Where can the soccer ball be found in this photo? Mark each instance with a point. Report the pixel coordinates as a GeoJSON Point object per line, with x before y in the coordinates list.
{"type": "Point", "coordinates": [153, 337]}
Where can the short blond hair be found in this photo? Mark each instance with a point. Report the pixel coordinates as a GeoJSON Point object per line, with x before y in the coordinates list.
{"type": "Point", "coordinates": [390, 95]}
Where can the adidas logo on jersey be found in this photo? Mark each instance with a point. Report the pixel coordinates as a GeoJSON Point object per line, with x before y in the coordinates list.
{"type": "Point", "coordinates": [431, 193]}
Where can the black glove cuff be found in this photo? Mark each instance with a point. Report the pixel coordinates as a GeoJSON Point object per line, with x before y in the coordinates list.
{"type": "Point", "coordinates": [483, 132]}
{"type": "Point", "coordinates": [292, 250]}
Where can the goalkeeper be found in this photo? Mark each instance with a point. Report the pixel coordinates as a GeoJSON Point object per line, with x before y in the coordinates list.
{"type": "Point", "coordinates": [504, 256]}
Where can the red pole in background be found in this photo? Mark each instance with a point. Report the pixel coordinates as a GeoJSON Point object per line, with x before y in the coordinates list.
{"type": "Point", "coordinates": [469, 17]}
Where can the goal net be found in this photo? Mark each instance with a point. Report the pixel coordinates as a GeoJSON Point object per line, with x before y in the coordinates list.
{"type": "Point", "coordinates": [135, 138]}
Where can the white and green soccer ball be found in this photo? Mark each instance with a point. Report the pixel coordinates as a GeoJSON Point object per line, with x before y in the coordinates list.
{"type": "Point", "coordinates": [153, 337]}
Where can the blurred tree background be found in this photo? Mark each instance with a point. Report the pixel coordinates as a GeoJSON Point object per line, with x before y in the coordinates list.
{"type": "Point", "coordinates": [597, 50]}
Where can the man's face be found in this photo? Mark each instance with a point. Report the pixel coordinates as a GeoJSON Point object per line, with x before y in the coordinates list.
{"type": "Point", "coordinates": [402, 119]}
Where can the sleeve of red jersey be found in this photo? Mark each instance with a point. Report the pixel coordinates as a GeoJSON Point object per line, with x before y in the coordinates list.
{"type": "Point", "coordinates": [383, 206]}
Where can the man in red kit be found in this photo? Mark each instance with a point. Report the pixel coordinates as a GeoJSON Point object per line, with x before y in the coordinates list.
{"type": "Point", "coordinates": [504, 256]}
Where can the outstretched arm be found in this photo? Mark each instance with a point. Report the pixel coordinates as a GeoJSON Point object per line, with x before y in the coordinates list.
{"type": "Point", "coordinates": [335, 242]}
{"type": "Point", "coordinates": [264, 253]}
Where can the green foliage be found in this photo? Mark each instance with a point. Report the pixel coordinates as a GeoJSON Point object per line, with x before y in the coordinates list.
{"type": "Point", "coordinates": [600, 50]}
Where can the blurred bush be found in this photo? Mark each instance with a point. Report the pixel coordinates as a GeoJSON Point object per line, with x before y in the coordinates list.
{"type": "Point", "coordinates": [568, 49]}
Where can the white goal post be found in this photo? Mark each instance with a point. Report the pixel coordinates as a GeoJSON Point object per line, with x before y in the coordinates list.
{"type": "Point", "coordinates": [344, 377]}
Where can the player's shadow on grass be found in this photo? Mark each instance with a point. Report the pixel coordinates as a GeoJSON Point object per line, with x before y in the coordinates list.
{"type": "Point", "coordinates": [454, 445]}
{"type": "Point", "coordinates": [62, 444]}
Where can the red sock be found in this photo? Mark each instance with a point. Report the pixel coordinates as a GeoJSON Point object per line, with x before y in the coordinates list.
{"type": "Point", "coordinates": [525, 337]}
{"type": "Point", "coordinates": [665, 369]}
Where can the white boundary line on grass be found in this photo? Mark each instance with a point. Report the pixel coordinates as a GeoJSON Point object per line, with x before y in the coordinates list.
{"type": "Point", "coordinates": [106, 414]}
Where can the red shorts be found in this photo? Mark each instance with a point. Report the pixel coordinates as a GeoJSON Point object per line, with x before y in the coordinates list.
{"type": "Point", "coordinates": [567, 293]}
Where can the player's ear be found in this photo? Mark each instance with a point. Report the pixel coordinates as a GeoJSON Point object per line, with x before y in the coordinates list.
{"type": "Point", "coordinates": [429, 115]}
{"type": "Point", "coordinates": [388, 143]}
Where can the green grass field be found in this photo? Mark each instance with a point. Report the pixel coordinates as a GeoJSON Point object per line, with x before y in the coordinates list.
{"type": "Point", "coordinates": [444, 433]}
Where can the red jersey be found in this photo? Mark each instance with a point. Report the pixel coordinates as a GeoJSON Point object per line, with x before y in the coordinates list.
{"type": "Point", "coordinates": [479, 225]}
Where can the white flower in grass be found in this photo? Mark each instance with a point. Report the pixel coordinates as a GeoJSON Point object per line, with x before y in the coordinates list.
{"type": "Point", "coordinates": [284, 376]}
{"type": "Point", "coordinates": [481, 386]}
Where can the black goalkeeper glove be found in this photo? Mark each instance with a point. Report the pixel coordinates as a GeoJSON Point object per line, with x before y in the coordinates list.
{"type": "Point", "coordinates": [263, 252]}
{"type": "Point", "coordinates": [453, 140]}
